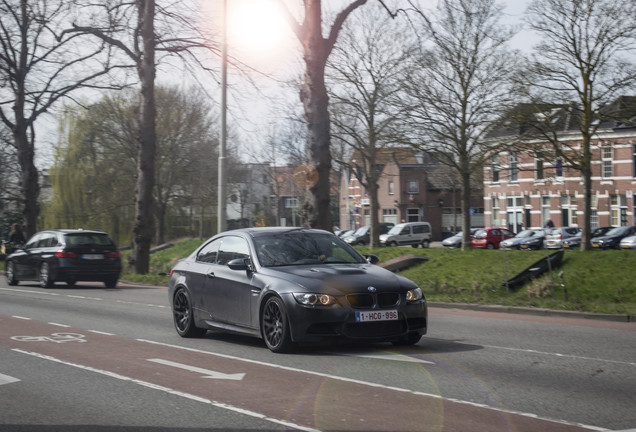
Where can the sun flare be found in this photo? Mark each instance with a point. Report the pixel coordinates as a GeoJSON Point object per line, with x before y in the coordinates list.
{"type": "Point", "coordinates": [257, 26]}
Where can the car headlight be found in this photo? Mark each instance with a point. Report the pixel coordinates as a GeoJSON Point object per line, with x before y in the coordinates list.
{"type": "Point", "coordinates": [414, 295]}
{"type": "Point", "coordinates": [314, 299]}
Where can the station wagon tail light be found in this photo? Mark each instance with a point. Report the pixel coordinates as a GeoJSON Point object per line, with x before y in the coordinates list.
{"type": "Point", "coordinates": [414, 295]}
{"type": "Point", "coordinates": [313, 299]}
{"type": "Point", "coordinates": [115, 254]}
{"type": "Point", "coordinates": [65, 254]}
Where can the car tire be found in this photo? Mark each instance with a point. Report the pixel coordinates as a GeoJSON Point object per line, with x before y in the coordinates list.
{"type": "Point", "coordinates": [71, 283]}
{"type": "Point", "coordinates": [110, 283]}
{"type": "Point", "coordinates": [415, 246]}
{"type": "Point", "coordinates": [275, 326]}
{"type": "Point", "coordinates": [183, 316]}
{"type": "Point", "coordinates": [393, 244]}
{"type": "Point", "coordinates": [409, 339]}
{"type": "Point", "coordinates": [426, 244]}
{"type": "Point", "coordinates": [45, 276]}
{"type": "Point", "coordinates": [490, 246]}
{"type": "Point", "coordinates": [10, 273]}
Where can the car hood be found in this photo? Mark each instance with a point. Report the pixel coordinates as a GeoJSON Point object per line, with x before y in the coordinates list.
{"type": "Point", "coordinates": [341, 278]}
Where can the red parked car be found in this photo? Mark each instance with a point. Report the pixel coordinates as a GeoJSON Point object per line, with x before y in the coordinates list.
{"type": "Point", "coordinates": [489, 238]}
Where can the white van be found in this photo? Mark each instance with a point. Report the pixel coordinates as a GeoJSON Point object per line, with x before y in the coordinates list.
{"type": "Point", "coordinates": [410, 233]}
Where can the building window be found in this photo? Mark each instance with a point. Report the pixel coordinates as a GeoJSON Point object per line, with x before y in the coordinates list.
{"type": "Point", "coordinates": [618, 210]}
{"type": "Point", "coordinates": [413, 215]}
{"type": "Point", "coordinates": [494, 169]}
{"type": "Point", "coordinates": [495, 212]}
{"type": "Point", "coordinates": [545, 210]}
{"type": "Point", "coordinates": [634, 163]}
{"type": "Point", "coordinates": [389, 215]}
{"type": "Point", "coordinates": [391, 187]}
{"type": "Point", "coordinates": [513, 168]}
{"type": "Point", "coordinates": [291, 202]}
{"type": "Point", "coordinates": [558, 168]}
{"type": "Point", "coordinates": [607, 162]}
{"type": "Point", "coordinates": [412, 187]}
{"type": "Point", "coordinates": [539, 170]}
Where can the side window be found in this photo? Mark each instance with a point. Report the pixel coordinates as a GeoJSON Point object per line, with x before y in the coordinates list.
{"type": "Point", "coordinates": [418, 229]}
{"type": "Point", "coordinates": [495, 232]}
{"type": "Point", "coordinates": [209, 252]}
{"type": "Point", "coordinates": [231, 248]}
{"type": "Point", "coordinates": [47, 240]}
{"type": "Point", "coordinates": [33, 241]}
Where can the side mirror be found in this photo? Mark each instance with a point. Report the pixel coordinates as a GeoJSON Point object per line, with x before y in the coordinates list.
{"type": "Point", "coordinates": [240, 264]}
{"type": "Point", "coordinates": [372, 259]}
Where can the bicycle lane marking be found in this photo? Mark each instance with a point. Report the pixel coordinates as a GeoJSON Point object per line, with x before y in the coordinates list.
{"type": "Point", "coordinates": [301, 399]}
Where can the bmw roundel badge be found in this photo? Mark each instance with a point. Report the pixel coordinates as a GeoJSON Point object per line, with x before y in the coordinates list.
{"type": "Point", "coordinates": [372, 289]}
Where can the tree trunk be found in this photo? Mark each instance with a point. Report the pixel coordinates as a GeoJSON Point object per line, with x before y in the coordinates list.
{"type": "Point", "coordinates": [315, 101]}
{"type": "Point", "coordinates": [142, 229]}
{"type": "Point", "coordinates": [374, 235]}
{"type": "Point", "coordinates": [465, 204]}
{"type": "Point", "coordinates": [30, 187]}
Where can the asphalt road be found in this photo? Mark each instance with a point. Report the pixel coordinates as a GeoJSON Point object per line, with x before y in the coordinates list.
{"type": "Point", "coordinates": [93, 359]}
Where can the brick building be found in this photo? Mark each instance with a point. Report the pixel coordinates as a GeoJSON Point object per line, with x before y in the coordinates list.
{"type": "Point", "coordinates": [413, 187]}
{"type": "Point", "coordinates": [524, 189]}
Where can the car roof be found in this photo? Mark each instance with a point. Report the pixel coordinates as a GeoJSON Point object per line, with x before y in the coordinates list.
{"type": "Point", "coordinates": [73, 231]}
{"type": "Point", "coordinates": [262, 231]}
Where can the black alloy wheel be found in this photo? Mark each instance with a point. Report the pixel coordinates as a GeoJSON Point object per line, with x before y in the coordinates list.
{"type": "Point", "coordinates": [10, 273]}
{"type": "Point", "coordinates": [183, 317]}
{"type": "Point", "coordinates": [275, 326]}
{"type": "Point", "coordinates": [45, 276]}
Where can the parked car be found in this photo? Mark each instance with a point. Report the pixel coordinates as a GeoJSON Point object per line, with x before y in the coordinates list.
{"type": "Point", "coordinates": [515, 242]}
{"type": "Point", "coordinates": [612, 239]}
{"type": "Point", "coordinates": [532, 243]}
{"type": "Point", "coordinates": [455, 241]}
{"type": "Point", "coordinates": [290, 286]}
{"type": "Point", "coordinates": [629, 242]}
{"type": "Point", "coordinates": [409, 233]}
{"type": "Point", "coordinates": [345, 233]}
{"type": "Point", "coordinates": [575, 242]}
{"type": "Point", "coordinates": [66, 255]}
{"type": "Point", "coordinates": [554, 237]}
{"type": "Point", "coordinates": [489, 238]}
{"type": "Point", "coordinates": [362, 235]}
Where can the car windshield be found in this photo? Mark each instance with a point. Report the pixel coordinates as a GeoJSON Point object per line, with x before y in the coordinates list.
{"type": "Point", "coordinates": [297, 248]}
{"type": "Point", "coordinates": [397, 229]}
{"type": "Point", "coordinates": [361, 231]}
{"type": "Point", "coordinates": [84, 239]}
{"type": "Point", "coordinates": [525, 233]}
{"type": "Point", "coordinates": [481, 234]}
{"type": "Point", "coordinates": [616, 231]}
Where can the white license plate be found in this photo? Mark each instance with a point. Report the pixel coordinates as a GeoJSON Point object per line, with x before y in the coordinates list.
{"type": "Point", "coordinates": [93, 256]}
{"type": "Point", "coordinates": [388, 315]}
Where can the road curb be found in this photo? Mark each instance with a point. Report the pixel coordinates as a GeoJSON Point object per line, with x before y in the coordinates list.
{"type": "Point", "coordinates": [535, 311]}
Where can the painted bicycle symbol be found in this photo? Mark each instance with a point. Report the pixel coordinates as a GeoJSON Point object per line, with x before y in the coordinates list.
{"type": "Point", "coordinates": [54, 337]}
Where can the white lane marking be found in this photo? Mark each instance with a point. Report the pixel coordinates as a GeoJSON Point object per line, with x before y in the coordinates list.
{"type": "Point", "coordinates": [29, 291]}
{"type": "Point", "coordinates": [21, 317]}
{"type": "Point", "coordinates": [392, 357]}
{"type": "Point", "coordinates": [370, 384]}
{"type": "Point", "coordinates": [6, 379]}
{"type": "Point", "coordinates": [206, 372]}
{"type": "Point", "coordinates": [531, 351]}
{"type": "Point", "coordinates": [173, 392]}
{"type": "Point", "coordinates": [83, 297]}
{"type": "Point", "coordinates": [102, 333]}
{"type": "Point", "coordinates": [60, 325]}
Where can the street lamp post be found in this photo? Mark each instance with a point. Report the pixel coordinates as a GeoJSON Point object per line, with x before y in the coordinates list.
{"type": "Point", "coordinates": [222, 195]}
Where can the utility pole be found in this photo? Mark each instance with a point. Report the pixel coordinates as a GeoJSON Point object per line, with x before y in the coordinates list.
{"type": "Point", "coordinates": [222, 196]}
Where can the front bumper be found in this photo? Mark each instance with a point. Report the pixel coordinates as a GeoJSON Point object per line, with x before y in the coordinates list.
{"type": "Point", "coordinates": [319, 324]}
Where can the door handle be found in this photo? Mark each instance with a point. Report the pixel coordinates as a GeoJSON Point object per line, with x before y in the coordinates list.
{"type": "Point", "coordinates": [210, 275]}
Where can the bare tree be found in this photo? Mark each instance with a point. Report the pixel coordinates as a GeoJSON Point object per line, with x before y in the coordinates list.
{"type": "Point", "coordinates": [462, 84]}
{"type": "Point", "coordinates": [365, 76]}
{"type": "Point", "coordinates": [129, 27]}
{"type": "Point", "coordinates": [313, 95]}
{"type": "Point", "coordinates": [579, 63]}
{"type": "Point", "coordinates": [39, 65]}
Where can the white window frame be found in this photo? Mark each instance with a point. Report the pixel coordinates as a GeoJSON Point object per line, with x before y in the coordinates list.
{"type": "Point", "coordinates": [412, 187]}
{"type": "Point", "coordinates": [607, 162]}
